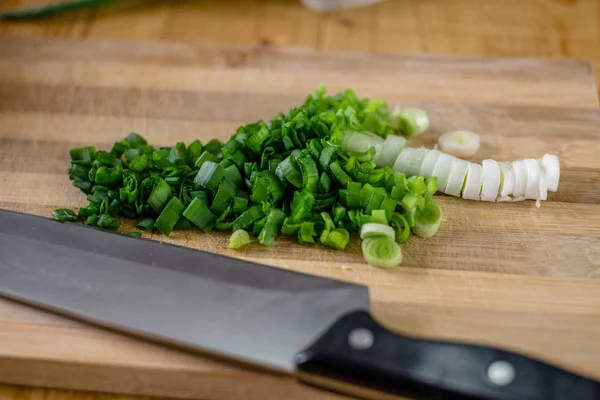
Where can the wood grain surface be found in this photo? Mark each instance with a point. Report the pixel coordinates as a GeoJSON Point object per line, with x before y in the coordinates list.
{"type": "Point", "coordinates": [520, 277]}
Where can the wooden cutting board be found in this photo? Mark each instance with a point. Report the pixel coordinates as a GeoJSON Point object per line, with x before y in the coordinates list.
{"type": "Point", "coordinates": [511, 275]}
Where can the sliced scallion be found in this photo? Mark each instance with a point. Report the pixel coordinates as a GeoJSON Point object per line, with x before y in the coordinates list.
{"type": "Point", "coordinates": [239, 239]}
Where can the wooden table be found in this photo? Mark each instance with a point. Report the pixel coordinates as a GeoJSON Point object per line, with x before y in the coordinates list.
{"type": "Point", "coordinates": [541, 28]}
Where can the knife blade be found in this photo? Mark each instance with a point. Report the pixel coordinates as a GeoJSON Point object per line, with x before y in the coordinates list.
{"type": "Point", "coordinates": [317, 328]}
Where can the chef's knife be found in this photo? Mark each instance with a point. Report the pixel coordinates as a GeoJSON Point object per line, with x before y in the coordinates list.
{"type": "Point", "coordinates": [317, 328]}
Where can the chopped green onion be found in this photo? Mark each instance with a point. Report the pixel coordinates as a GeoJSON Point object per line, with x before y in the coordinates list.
{"type": "Point", "coordinates": [339, 174]}
{"type": "Point", "coordinates": [146, 224]}
{"type": "Point", "coordinates": [106, 221]}
{"type": "Point", "coordinates": [135, 234]}
{"type": "Point", "coordinates": [381, 252]}
{"type": "Point", "coordinates": [183, 223]}
{"type": "Point", "coordinates": [307, 232]}
{"type": "Point", "coordinates": [239, 239]}
{"type": "Point", "coordinates": [85, 212]}
{"type": "Point", "coordinates": [83, 154]}
{"type": "Point", "coordinates": [248, 217]}
{"type": "Point", "coordinates": [336, 239]}
{"type": "Point", "coordinates": [135, 140]}
{"type": "Point", "coordinates": [374, 202]}
{"type": "Point", "coordinates": [402, 226]}
{"type": "Point", "coordinates": [240, 204]}
{"type": "Point", "coordinates": [323, 169]}
{"type": "Point", "coordinates": [289, 228]}
{"type": "Point", "coordinates": [428, 220]}
{"type": "Point", "coordinates": [200, 195]}
{"type": "Point", "coordinates": [224, 197]}
{"type": "Point", "coordinates": [379, 216]}
{"type": "Point", "coordinates": [258, 226]}
{"type": "Point", "coordinates": [416, 185]}
{"type": "Point", "coordinates": [129, 192]}
{"type": "Point", "coordinates": [200, 215]}
{"type": "Point", "coordinates": [64, 215]}
{"type": "Point", "coordinates": [160, 195]}
{"type": "Point", "coordinates": [272, 226]}
{"type": "Point", "coordinates": [310, 173]}
{"type": "Point", "coordinates": [372, 230]}
{"type": "Point", "coordinates": [169, 216]}
{"type": "Point", "coordinates": [302, 205]}
{"type": "Point", "coordinates": [140, 163]}
{"type": "Point", "coordinates": [204, 157]}
{"type": "Point", "coordinates": [214, 147]}
{"type": "Point", "coordinates": [209, 175]}
{"type": "Point", "coordinates": [232, 174]}
{"type": "Point", "coordinates": [109, 176]}
{"type": "Point", "coordinates": [412, 121]}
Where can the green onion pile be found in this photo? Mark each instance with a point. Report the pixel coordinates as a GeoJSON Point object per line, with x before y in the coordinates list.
{"type": "Point", "coordinates": [299, 174]}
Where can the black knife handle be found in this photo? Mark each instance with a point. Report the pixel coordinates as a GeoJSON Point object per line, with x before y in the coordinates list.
{"type": "Point", "coordinates": [358, 352]}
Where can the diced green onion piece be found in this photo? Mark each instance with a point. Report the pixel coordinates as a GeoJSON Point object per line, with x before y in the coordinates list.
{"type": "Point", "coordinates": [324, 184]}
{"type": "Point", "coordinates": [209, 175]}
{"type": "Point", "coordinates": [272, 226]}
{"type": "Point", "coordinates": [169, 216]}
{"type": "Point", "coordinates": [416, 185]}
{"type": "Point", "coordinates": [290, 172]}
{"type": "Point", "coordinates": [135, 234]}
{"type": "Point", "coordinates": [106, 221]}
{"type": "Point", "coordinates": [146, 224]}
{"type": "Point", "coordinates": [307, 232]}
{"type": "Point", "coordinates": [239, 239]}
{"type": "Point", "coordinates": [289, 228]}
{"type": "Point", "coordinates": [224, 197]}
{"type": "Point", "coordinates": [129, 192]}
{"type": "Point", "coordinates": [248, 217]}
{"type": "Point", "coordinates": [135, 140]}
{"type": "Point", "coordinates": [432, 186]}
{"type": "Point", "coordinates": [379, 217]}
{"type": "Point", "coordinates": [339, 174]}
{"type": "Point", "coordinates": [402, 226]}
{"type": "Point", "coordinates": [339, 213]}
{"type": "Point", "coordinates": [353, 194]}
{"type": "Point", "coordinates": [183, 223]}
{"type": "Point", "coordinates": [258, 226]}
{"type": "Point", "coordinates": [381, 252]}
{"type": "Point", "coordinates": [240, 204]}
{"type": "Point", "coordinates": [85, 212]}
{"type": "Point", "coordinates": [160, 195]}
{"type": "Point", "coordinates": [428, 220]}
{"type": "Point", "coordinates": [83, 154]}
{"type": "Point", "coordinates": [194, 151]}
{"type": "Point", "coordinates": [336, 239]}
{"type": "Point", "coordinates": [109, 176]}
{"type": "Point", "coordinates": [84, 185]}
{"type": "Point", "coordinates": [140, 163]}
{"type": "Point", "coordinates": [223, 226]}
{"type": "Point", "coordinates": [199, 214]}
{"type": "Point", "coordinates": [64, 215]}
{"type": "Point", "coordinates": [232, 174]}
{"type": "Point", "coordinates": [374, 202]}
{"type": "Point", "coordinates": [92, 220]}
{"type": "Point", "coordinates": [214, 146]}
{"type": "Point", "coordinates": [201, 195]}
{"type": "Point", "coordinates": [372, 230]}
{"type": "Point", "coordinates": [412, 121]}
{"type": "Point", "coordinates": [204, 157]}
{"type": "Point", "coordinates": [389, 206]}
{"type": "Point", "coordinates": [411, 202]}
{"type": "Point", "coordinates": [302, 205]}
{"type": "Point", "coordinates": [310, 173]}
